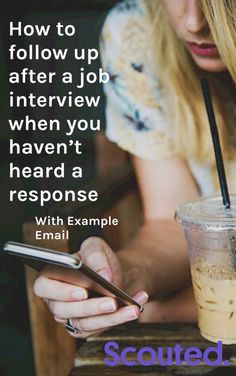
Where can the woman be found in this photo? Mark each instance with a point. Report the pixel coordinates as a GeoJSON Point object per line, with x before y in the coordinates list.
{"type": "Point", "coordinates": [156, 51]}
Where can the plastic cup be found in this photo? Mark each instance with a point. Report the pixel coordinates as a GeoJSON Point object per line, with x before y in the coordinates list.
{"type": "Point", "coordinates": [210, 231]}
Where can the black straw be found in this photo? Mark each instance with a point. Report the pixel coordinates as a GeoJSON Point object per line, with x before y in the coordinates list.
{"type": "Point", "coordinates": [216, 143]}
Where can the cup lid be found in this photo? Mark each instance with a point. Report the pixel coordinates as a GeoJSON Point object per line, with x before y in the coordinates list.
{"type": "Point", "coordinates": [208, 211]}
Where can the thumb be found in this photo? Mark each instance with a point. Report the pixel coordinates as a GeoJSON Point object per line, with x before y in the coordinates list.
{"type": "Point", "coordinates": [92, 253]}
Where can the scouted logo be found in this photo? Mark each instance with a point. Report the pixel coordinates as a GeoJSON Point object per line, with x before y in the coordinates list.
{"type": "Point", "coordinates": [176, 355]}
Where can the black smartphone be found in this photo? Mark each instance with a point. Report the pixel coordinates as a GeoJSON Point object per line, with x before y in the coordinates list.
{"type": "Point", "coordinates": [67, 268]}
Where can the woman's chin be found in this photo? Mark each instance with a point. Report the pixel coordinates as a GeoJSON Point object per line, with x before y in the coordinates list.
{"type": "Point", "coordinates": [209, 64]}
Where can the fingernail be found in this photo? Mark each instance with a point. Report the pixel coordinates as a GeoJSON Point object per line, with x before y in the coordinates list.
{"type": "Point", "coordinates": [107, 306]}
{"type": "Point", "coordinates": [141, 297]}
{"type": "Point", "coordinates": [105, 274]}
{"type": "Point", "coordinates": [130, 313]}
{"type": "Point", "coordinates": [78, 294]}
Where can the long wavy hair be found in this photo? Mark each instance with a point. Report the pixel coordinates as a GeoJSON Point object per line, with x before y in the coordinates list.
{"type": "Point", "coordinates": [180, 78]}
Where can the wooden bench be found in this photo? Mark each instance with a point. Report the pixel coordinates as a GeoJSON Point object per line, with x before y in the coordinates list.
{"type": "Point", "coordinates": [90, 357]}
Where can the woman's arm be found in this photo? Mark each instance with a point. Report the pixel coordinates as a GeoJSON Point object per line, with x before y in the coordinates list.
{"type": "Point", "coordinates": [156, 260]}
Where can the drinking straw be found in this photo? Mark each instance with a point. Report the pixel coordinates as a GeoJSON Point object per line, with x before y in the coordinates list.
{"type": "Point", "coordinates": [216, 143]}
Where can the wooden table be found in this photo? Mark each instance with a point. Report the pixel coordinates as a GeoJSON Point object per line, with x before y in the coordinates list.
{"type": "Point", "coordinates": [90, 357]}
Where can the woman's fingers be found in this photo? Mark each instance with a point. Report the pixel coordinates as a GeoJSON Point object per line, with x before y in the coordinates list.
{"type": "Point", "coordinates": [141, 297]}
{"type": "Point", "coordinates": [122, 315]}
{"type": "Point", "coordinates": [94, 256]}
{"type": "Point", "coordinates": [96, 325]}
{"type": "Point", "coordinates": [90, 307]}
{"type": "Point", "coordinates": [80, 334]}
{"type": "Point", "coordinates": [95, 315]}
{"type": "Point", "coordinates": [68, 301]}
{"type": "Point", "coordinates": [51, 289]}
{"type": "Point", "coordinates": [60, 320]}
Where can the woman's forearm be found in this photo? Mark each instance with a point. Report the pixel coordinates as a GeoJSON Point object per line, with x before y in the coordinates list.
{"type": "Point", "coordinates": [156, 260]}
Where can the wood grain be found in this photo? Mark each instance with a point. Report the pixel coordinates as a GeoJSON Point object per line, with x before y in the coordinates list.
{"type": "Point", "coordinates": [90, 358]}
{"type": "Point", "coordinates": [153, 371]}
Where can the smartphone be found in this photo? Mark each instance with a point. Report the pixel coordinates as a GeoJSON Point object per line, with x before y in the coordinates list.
{"type": "Point", "coordinates": [67, 268]}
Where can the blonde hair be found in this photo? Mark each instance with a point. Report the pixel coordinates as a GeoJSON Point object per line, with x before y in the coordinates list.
{"type": "Point", "coordinates": [180, 80]}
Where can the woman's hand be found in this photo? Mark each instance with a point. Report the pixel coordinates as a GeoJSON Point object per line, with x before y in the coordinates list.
{"type": "Point", "coordinates": [69, 301]}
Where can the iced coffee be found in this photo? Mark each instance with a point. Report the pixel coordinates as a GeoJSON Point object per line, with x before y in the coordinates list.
{"type": "Point", "coordinates": [215, 294]}
{"type": "Point", "coordinates": [210, 231]}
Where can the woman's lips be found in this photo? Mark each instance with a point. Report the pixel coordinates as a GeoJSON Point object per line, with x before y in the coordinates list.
{"type": "Point", "coordinates": [204, 49]}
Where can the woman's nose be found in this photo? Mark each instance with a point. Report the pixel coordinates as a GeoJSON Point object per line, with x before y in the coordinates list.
{"type": "Point", "coordinates": [195, 20]}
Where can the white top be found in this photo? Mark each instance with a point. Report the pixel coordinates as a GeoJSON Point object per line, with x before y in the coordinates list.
{"type": "Point", "coordinates": [134, 112]}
